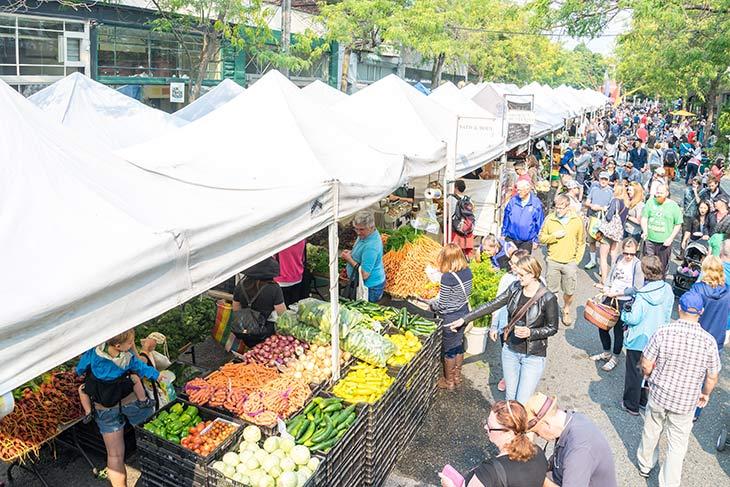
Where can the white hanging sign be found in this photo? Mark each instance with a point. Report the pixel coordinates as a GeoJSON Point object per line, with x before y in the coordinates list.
{"type": "Point", "coordinates": [177, 92]}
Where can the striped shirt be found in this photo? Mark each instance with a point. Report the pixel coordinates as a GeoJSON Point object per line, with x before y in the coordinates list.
{"type": "Point", "coordinates": [683, 354]}
{"type": "Point", "coordinates": [451, 297]}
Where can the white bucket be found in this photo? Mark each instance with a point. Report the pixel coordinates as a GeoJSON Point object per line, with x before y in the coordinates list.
{"type": "Point", "coordinates": [476, 340]}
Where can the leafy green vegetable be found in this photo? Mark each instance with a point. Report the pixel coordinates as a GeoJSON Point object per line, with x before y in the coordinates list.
{"type": "Point", "coordinates": [485, 283]}
{"type": "Point", "coordinates": [188, 323]}
{"type": "Point", "coordinates": [398, 238]}
{"type": "Point", "coordinates": [318, 260]}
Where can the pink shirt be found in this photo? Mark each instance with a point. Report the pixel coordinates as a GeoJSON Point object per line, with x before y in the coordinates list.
{"type": "Point", "coordinates": [291, 264]}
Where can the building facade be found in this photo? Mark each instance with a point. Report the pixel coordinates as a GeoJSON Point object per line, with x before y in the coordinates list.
{"type": "Point", "coordinates": [114, 44]}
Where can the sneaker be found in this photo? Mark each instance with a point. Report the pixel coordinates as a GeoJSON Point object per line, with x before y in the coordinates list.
{"type": "Point", "coordinates": [644, 474]}
{"type": "Point", "coordinates": [624, 408]}
{"type": "Point", "coordinates": [502, 386]}
{"type": "Point", "coordinates": [590, 265]}
{"type": "Point", "coordinates": [611, 364]}
{"type": "Point", "coordinates": [601, 356]}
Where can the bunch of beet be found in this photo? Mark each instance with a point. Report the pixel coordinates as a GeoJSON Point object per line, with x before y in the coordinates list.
{"type": "Point", "coordinates": [275, 350]}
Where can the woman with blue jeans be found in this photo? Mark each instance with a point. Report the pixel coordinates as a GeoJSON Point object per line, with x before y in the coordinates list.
{"type": "Point", "coordinates": [368, 254]}
{"type": "Point", "coordinates": [533, 317]}
{"type": "Point", "coordinates": [452, 303]}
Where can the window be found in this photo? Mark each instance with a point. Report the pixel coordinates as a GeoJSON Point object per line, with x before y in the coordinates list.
{"type": "Point", "coordinates": [139, 52]}
{"type": "Point", "coordinates": [35, 46]}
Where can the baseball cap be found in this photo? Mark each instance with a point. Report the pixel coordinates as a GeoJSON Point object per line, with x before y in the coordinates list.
{"type": "Point", "coordinates": [539, 406]}
{"type": "Point", "coordinates": [604, 175]}
{"type": "Point", "coordinates": [691, 302]}
{"type": "Point", "coordinates": [723, 198]}
{"type": "Point", "coordinates": [629, 164]}
{"type": "Point", "coordinates": [572, 184]}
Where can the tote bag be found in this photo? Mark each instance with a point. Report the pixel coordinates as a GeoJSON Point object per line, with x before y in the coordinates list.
{"type": "Point", "coordinates": [222, 332]}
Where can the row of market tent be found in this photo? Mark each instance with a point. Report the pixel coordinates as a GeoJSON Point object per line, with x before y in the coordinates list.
{"type": "Point", "coordinates": [112, 212]}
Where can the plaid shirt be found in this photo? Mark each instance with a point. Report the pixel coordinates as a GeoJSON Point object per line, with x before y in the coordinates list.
{"type": "Point", "coordinates": [683, 353]}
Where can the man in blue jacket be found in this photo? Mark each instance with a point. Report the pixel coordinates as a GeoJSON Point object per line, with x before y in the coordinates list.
{"type": "Point", "coordinates": [638, 155]}
{"type": "Point", "coordinates": [567, 163]}
{"type": "Point", "coordinates": [523, 217]}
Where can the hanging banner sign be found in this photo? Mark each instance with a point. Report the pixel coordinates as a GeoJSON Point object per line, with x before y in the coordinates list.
{"type": "Point", "coordinates": [519, 117]}
{"type": "Point", "coordinates": [177, 92]}
{"type": "Point", "coordinates": [475, 134]}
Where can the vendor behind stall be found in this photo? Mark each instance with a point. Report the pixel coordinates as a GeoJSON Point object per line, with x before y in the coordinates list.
{"type": "Point", "coordinates": [404, 193]}
{"type": "Point", "coordinates": [367, 253]}
{"type": "Point", "coordinates": [258, 291]}
{"type": "Point", "coordinates": [291, 274]}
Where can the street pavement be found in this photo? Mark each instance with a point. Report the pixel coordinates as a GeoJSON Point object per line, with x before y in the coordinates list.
{"type": "Point", "coordinates": [453, 430]}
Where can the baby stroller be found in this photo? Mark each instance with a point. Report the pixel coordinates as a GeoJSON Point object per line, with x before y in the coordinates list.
{"type": "Point", "coordinates": [689, 270]}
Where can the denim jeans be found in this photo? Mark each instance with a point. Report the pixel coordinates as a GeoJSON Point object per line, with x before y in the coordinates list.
{"type": "Point", "coordinates": [375, 293]}
{"type": "Point", "coordinates": [522, 373]}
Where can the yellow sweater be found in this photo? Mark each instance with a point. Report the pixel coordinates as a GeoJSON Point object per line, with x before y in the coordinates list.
{"type": "Point", "coordinates": [569, 248]}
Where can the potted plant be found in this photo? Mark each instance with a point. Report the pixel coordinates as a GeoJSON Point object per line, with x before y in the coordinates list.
{"type": "Point", "coordinates": [485, 282]}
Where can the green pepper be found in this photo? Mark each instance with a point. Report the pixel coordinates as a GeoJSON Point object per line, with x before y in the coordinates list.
{"type": "Point", "coordinates": [324, 445]}
{"type": "Point", "coordinates": [185, 419]}
{"type": "Point", "coordinates": [149, 427]}
{"type": "Point", "coordinates": [191, 411]}
{"type": "Point", "coordinates": [301, 429]}
{"type": "Point", "coordinates": [310, 407]}
{"type": "Point", "coordinates": [175, 439]}
{"type": "Point", "coordinates": [308, 434]}
{"type": "Point", "coordinates": [162, 415]}
{"type": "Point", "coordinates": [346, 423]}
{"type": "Point", "coordinates": [177, 408]}
{"type": "Point", "coordinates": [336, 406]}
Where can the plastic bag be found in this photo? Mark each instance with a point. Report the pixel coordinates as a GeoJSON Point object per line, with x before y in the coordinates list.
{"type": "Point", "coordinates": [369, 347]}
{"type": "Point", "coordinates": [316, 313]}
{"type": "Point", "coordinates": [288, 324]}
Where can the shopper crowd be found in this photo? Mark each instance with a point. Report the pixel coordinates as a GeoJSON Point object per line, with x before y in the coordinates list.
{"type": "Point", "coordinates": [613, 187]}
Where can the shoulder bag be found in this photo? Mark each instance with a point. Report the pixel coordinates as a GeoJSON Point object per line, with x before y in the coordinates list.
{"type": "Point", "coordinates": [612, 229]}
{"type": "Point", "coordinates": [523, 311]}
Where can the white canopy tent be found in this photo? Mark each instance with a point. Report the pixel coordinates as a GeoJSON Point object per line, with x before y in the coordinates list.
{"type": "Point", "coordinates": [105, 245]}
{"type": "Point", "coordinates": [549, 117]}
{"type": "Point", "coordinates": [409, 123]}
{"type": "Point", "coordinates": [220, 94]}
{"type": "Point", "coordinates": [102, 115]}
{"type": "Point", "coordinates": [323, 94]}
{"type": "Point", "coordinates": [285, 134]}
{"type": "Point", "coordinates": [480, 132]}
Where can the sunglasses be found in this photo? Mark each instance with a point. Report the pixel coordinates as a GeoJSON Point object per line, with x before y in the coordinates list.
{"type": "Point", "coordinates": [629, 254]}
{"type": "Point", "coordinates": [490, 429]}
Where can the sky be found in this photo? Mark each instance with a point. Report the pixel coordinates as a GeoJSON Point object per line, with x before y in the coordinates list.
{"type": "Point", "coordinates": [607, 42]}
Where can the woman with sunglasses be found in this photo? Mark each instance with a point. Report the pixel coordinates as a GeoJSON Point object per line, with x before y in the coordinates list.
{"type": "Point", "coordinates": [625, 274]}
{"type": "Point", "coordinates": [519, 461]}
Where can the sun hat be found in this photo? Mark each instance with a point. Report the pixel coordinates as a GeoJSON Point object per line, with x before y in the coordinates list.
{"type": "Point", "coordinates": [604, 175]}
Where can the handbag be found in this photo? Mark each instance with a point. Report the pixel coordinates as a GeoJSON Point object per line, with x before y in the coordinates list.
{"type": "Point", "coordinates": [522, 312]}
{"type": "Point", "coordinates": [601, 315]}
{"type": "Point", "coordinates": [356, 289]}
{"type": "Point", "coordinates": [221, 331]}
{"type": "Point", "coordinates": [593, 223]}
{"type": "Point", "coordinates": [613, 229]}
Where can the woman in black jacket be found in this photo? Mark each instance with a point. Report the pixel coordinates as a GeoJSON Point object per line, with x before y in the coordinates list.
{"type": "Point", "coordinates": [532, 317]}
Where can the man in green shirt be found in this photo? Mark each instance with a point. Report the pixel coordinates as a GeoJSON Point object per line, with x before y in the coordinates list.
{"type": "Point", "coordinates": [661, 221]}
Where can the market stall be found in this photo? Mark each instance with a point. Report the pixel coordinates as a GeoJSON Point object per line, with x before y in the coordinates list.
{"type": "Point", "coordinates": [323, 94]}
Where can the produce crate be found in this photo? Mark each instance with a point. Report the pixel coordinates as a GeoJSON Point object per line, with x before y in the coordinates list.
{"type": "Point", "coordinates": [217, 479]}
{"type": "Point", "coordinates": [167, 462]}
{"type": "Point", "coordinates": [89, 438]}
{"type": "Point", "coordinates": [345, 462]}
{"type": "Point", "coordinates": [395, 418]}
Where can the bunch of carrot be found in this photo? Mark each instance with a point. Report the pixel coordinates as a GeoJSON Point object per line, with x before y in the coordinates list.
{"type": "Point", "coordinates": [279, 398]}
{"type": "Point", "coordinates": [230, 385]}
{"type": "Point", "coordinates": [39, 414]}
{"type": "Point", "coordinates": [405, 269]}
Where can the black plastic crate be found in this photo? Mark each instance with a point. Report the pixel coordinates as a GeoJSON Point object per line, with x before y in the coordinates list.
{"type": "Point", "coordinates": [89, 438]}
{"type": "Point", "coordinates": [169, 474]}
{"type": "Point", "coordinates": [184, 462]}
{"type": "Point", "coordinates": [345, 462]}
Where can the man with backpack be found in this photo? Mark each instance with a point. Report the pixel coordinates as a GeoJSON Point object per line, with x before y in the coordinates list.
{"type": "Point", "coordinates": [462, 219]}
{"type": "Point", "coordinates": [670, 162]}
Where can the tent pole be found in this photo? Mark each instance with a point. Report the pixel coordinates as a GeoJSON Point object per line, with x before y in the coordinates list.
{"type": "Point", "coordinates": [449, 175]}
{"type": "Point", "coordinates": [550, 158]}
{"type": "Point", "coordinates": [334, 244]}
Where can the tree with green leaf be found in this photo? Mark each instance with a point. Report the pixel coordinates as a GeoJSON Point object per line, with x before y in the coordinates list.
{"type": "Point", "coordinates": [357, 25]}
{"type": "Point", "coordinates": [243, 24]}
{"type": "Point", "coordinates": [673, 48]}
